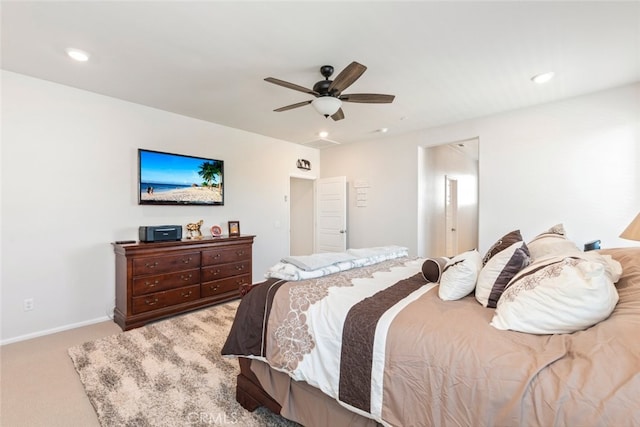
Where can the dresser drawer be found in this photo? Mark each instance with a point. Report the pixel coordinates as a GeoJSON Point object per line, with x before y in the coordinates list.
{"type": "Point", "coordinates": [231, 284]}
{"type": "Point", "coordinates": [164, 299]}
{"type": "Point", "coordinates": [162, 282]}
{"type": "Point", "coordinates": [221, 256]}
{"type": "Point", "coordinates": [166, 264]}
{"type": "Point", "coordinates": [216, 272]}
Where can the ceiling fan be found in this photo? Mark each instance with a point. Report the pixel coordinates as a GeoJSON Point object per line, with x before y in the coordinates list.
{"type": "Point", "coordinates": [328, 93]}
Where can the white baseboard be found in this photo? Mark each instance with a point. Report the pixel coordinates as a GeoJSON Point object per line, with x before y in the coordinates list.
{"type": "Point", "coordinates": [54, 330]}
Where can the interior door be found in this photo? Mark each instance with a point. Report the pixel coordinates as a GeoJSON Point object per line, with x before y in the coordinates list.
{"type": "Point", "coordinates": [451, 216]}
{"type": "Point", "coordinates": [331, 204]}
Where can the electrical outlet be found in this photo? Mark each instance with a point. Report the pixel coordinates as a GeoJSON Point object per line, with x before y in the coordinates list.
{"type": "Point", "coordinates": [28, 304]}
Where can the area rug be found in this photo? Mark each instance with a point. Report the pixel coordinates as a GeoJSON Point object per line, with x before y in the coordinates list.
{"type": "Point", "coordinates": [169, 373]}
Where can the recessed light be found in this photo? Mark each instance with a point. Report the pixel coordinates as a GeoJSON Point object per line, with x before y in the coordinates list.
{"type": "Point", "coordinates": [542, 78]}
{"type": "Point", "coordinates": [323, 134]}
{"type": "Point", "coordinates": [77, 54]}
{"type": "Point", "coordinates": [383, 130]}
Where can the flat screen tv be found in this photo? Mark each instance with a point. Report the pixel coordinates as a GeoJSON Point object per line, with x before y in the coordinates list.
{"type": "Point", "coordinates": [177, 179]}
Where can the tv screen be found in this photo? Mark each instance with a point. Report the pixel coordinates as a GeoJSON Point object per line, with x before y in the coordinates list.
{"type": "Point", "coordinates": [177, 179]}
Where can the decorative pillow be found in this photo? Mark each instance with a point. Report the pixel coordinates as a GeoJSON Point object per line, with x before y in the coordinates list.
{"type": "Point", "coordinates": [459, 275]}
{"type": "Point", "coordinates": [556, 296]}
{"type": "Point", "coordinates": [432, 269]}
{"type": "Point", "coordinates": [503, 243]}
{"type": "Point", "coordinates": [498, 271]}
{"type": "Point", "coordinates": [612, 267]}
{"type": "Point", "coordinates": [552, 242]}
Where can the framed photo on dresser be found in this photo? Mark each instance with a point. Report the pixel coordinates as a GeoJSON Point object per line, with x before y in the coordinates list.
{"type": "Point", "coordinates": [234, 228]}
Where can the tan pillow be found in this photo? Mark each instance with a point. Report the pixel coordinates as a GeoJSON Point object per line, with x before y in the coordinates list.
{"type": "Point", "coordinates": [551, 243]}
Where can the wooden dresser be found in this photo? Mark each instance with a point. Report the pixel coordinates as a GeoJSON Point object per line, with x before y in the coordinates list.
{"type": "Point", "coordinates": [160, 279]}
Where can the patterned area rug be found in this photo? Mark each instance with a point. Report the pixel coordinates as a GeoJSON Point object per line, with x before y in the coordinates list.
{"type": "Point", "coordinates": [169, 373]}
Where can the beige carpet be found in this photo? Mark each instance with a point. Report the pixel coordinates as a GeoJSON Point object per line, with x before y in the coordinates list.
{"type": "Point", "coordinates": [169, 373]}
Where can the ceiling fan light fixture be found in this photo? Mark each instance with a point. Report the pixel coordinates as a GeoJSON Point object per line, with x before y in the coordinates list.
{"type": "Point", "coordinates": [327, 105]}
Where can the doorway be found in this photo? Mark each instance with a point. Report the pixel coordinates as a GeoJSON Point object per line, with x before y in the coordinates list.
{"type": "Point", "coordinates": [317, 215]}
{"type": "Point", "coordinates": [448, 199]}
{"type": "Point", "coordinates": [301, 216]}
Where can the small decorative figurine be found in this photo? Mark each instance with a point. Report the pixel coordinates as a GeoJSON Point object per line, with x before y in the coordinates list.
{"type": "Point", "coordinates": [193, 230]}
{"type": "Point", "coordinates": [216, 231]}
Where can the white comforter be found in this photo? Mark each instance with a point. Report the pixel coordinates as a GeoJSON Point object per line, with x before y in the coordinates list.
{"type": "Point", "coordinates": [324, 318]}
{"type": "Point", "coordinates": [321, 264]}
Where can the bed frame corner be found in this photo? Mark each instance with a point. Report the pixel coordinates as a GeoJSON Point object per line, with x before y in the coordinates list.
{"type": "Point", "coordinates": [249, 393]}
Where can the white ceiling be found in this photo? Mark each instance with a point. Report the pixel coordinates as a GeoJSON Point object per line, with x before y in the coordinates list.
{"type": "Point", "coordinates": [444, 61]}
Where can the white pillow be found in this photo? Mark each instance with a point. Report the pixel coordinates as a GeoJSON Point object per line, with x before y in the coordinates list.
{"type": "Point", "coordinates": [612, 267]}
{"type": "Point", "coordinates": [552, 242]}
{"type": "Point", "coordinates": [557, 296]}
{"type": "Point", "coordinates": [498, 271]}
{"type": "Point", "coordinates": [459, 275]}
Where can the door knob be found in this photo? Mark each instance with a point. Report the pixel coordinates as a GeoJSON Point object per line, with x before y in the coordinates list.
{"type": "Point", "coordinates": [343, 231]}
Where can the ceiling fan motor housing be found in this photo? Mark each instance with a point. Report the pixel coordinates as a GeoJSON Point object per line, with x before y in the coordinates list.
{"type": "Point", "coordinates": [322, 87]}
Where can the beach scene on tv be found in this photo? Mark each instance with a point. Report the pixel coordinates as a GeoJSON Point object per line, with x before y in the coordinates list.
{"type": "Point", "coordinates": [171, 178]}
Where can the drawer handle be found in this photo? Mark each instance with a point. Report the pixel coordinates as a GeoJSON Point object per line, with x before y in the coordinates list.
{"type": "Point", "coordinates": [216, 256]}
{"type": "Point", "coordinates": [185, 278]}
{"type": "Point", "coordinates": [149, 302]}
{"type": "Point", "coordinates": [214, 288]}
{"type": "Point", "coordinates": [152, 284]}
{"type": "Point", "coordinates": [187, 295]}
{"type": "Point", "coordinates": [149, 265]}
{"type": "Point", "coordinates": [240, 253]}
{"type": "Point", "coordinates": [216, 272]}
{"type": "Point", "coordinates": [186, 261]}
{"type": "Point", "coordinates": [240, 267]}
{"type": "Point", "coordinates": [241, 282]}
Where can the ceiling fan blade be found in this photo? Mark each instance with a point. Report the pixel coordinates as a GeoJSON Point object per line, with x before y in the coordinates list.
{"type": "Point", "coordinates": [292, 106]}
{"type": "Point", "coordinates": [338, 115]}
{"type": "Point", "coordinates": [291, 86]}
{"type": "Point", "coordinates": [368, 98]}
{"type": "Point", "coordinates": [346, 77]}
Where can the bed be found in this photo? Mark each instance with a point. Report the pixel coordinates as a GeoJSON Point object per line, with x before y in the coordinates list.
{"type": "Point", "coordinates": [369, 343]}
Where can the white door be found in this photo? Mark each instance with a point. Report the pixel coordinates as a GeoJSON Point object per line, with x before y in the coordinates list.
{"type": "Point", "coordinates": [451, 215]}
{"type": "Point", "coordinates": [331, 204]}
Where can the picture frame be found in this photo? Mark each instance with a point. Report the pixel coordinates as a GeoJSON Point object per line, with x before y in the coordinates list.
{"type": "Point", "coordinates": [303, 164]}
{"type": "Point", "coordinates": [234, 228]}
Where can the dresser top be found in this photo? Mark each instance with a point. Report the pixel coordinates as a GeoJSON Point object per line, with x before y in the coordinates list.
{"type": "Point", "coordinates": [195, 243]}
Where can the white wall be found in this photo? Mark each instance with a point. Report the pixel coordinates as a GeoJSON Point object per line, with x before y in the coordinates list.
{"type": "Point", "coordinates": [69, 176]}
{"type": "Point", "coordinates": [575, 161]}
